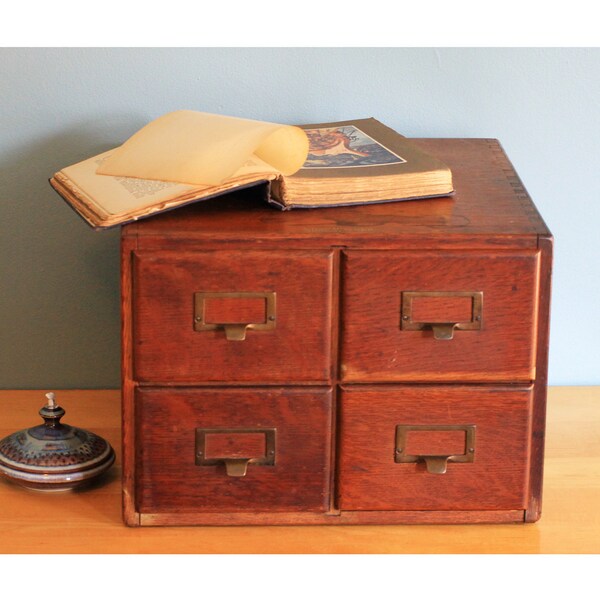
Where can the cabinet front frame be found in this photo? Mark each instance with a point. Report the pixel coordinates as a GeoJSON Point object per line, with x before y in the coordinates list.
{"type": "Point", "coordinates": [131, 242]}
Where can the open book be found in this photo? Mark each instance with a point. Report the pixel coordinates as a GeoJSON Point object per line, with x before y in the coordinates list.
{"type": "Point", "coordinates": [311, 166]}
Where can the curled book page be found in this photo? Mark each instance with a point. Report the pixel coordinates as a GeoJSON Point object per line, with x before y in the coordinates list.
{"type": "Point", "coordinates": [198, 148]}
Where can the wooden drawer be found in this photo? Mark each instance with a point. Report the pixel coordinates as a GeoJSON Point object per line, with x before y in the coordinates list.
{"type": "Point", "coordinates": [394, 441]}
{"type": "Point", "coordinates": [192, 446]}
{"type": "Point", "coordinates": [190, 312]}
{"type": "Point", "coordinates": [439, 316]}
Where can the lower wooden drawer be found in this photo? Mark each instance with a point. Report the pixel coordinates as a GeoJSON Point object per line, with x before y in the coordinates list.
{"type": "Point", "coordinates": [232, 449]}
{"type": "Point", "coordinates": [434, 448]}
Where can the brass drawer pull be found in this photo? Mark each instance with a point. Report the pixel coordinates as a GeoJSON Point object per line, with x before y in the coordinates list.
{"type": "Point", "coordinates": [235, 448]}
{"type": "Point", "coordinates": [234, 312]}
{"type": "Point", "coordinates": [426, 310]}
{"type": "Point", "coordinates": [435, 463]}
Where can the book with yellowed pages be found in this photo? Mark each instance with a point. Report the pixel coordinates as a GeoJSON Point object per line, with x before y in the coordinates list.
{"type": "Point", "coordinates": [187, 156]}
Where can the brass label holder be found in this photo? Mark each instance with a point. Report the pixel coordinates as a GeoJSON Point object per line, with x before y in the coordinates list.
{"type": "Point", "coordinates": [436, 464]}
{"type": "Point", "coordinates": [236, 466]}
{"type": "Point", "coordinates": [441, 330]}
{"type": "Point", "coordinates": [234, 331]}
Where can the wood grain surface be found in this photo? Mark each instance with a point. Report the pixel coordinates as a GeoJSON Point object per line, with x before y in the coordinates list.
{"type": "Point", "coordinates": [340, 279]}
{"type": "Point", "coordinates": [168, 349]}
{"type": "Point", "coordinates": [91, 521]}
{"type": "Point", "coordinates": [370, 479]}
{"type": "Point", "coordinates": [490, 208]}
{"type": "Point", "coordinates": [538, 429]}
{"type": "Point", "coordinates": [170, 480]}
{"type": "Point", "coordinates": [376, 348]}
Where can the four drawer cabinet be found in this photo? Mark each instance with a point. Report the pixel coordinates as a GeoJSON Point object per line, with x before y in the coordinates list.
{"type": "Point", "coordinates": [383, 363]}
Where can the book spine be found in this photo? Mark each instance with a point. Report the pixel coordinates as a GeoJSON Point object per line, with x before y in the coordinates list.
{"type": "Point", "coordinates": [275, 193]}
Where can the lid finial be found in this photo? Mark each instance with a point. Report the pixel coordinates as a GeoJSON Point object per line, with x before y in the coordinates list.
{"type": "Point", "coordinates": [51, 400]}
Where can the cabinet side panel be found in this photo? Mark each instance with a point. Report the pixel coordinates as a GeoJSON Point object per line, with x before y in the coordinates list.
{"type": "Point", "coordinates": [534, 505]}
{"type": "Point", "coordinates": [130, 516]}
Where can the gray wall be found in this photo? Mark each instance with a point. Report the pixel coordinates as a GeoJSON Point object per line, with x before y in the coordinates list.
{"type": "Point", "coordinates": [59, 280]}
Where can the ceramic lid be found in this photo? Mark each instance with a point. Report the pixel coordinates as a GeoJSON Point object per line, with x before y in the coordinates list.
{"type": "Point", "coordinates": [54, 456]}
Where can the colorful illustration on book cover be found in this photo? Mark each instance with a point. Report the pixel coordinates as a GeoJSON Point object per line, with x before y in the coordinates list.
{"type": "Point", "coordinates": [346, 146]}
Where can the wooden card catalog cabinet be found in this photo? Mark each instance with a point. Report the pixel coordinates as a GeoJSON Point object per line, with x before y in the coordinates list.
{"type": "Point", "coordinates": [383, 363]}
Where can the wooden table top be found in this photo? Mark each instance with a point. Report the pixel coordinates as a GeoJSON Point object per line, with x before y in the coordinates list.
{"type": "Point", "coordinates": [90, 521]}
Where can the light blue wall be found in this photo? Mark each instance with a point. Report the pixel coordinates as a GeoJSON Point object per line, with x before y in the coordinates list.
{"type": "Point", "coordinates": [59, 307]}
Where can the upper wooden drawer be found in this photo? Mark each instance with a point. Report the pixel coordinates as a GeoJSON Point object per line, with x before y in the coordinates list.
{"type": "Point", "coordinates": [232, 316]}
{"type": "Point", "coordinates": [439, 316]}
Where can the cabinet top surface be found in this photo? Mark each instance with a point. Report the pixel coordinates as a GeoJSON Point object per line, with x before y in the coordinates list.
{"type": "Point", "coordinates": [489, 201]}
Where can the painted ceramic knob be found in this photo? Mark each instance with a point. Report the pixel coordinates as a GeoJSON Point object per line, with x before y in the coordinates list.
{"type": "Point", "coordinates": [54, 456]}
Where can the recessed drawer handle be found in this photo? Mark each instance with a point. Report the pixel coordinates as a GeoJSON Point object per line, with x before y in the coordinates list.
{"type": "Point", "coordinates": [235, 448]}
{"type": "Point", "coordinates": [437, 461]}
{"type": "Point", "coordinates": [234, 312]}
{"type": "Point", "coordinates": [442, 312]}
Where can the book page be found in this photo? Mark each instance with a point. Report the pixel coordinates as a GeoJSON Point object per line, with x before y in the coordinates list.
{"type": "Point", "coordinates": [203, 149]}
{"type": "Point", "coordinates": [254, 166]}
{"type": "Point", "coordinates": [121, 194]}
